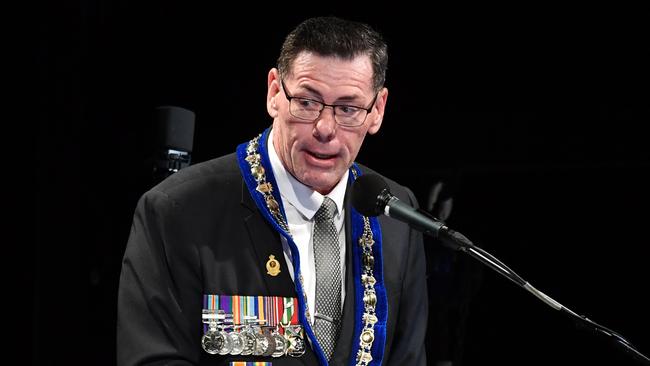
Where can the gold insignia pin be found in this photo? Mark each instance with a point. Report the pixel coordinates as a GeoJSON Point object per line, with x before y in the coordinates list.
{"type": "Point", "coordinates": [272, 266]}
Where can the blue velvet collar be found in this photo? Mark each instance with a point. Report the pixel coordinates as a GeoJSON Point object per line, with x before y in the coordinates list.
{"type": "Point", "coordinates": [371, 305]}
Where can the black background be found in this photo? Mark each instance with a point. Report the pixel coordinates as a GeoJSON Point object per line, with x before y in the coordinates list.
{"type": "Point", "coordinates": [535, 119]}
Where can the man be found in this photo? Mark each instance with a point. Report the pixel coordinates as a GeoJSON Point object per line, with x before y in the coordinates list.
{"type": "Point", "coordinates": [258, 255]}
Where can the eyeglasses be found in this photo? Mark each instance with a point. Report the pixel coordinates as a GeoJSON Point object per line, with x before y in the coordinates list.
{"type": "Point", "coordinates": [309, 110]}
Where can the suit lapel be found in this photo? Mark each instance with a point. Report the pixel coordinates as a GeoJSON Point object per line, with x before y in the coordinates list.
{"type": "Point", "coordinates": [266, 243]}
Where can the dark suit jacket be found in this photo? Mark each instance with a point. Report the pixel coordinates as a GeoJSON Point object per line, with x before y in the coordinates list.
{"type": "Point", "coordinates": [199, 232]}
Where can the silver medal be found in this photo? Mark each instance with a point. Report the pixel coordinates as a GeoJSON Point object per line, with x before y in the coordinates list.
{"type": "Point", "coordinates": [261, 344]}
{"type": "Point", "coordinates": [227, 343]}
{"type": "Point", "coordinates": [280, 345]}
{"type": "Point", "coordinates": [237, 343]}
{"type": "Point", "coordinates": [248, 338]}
{"type": "Point", "coordinates": [212, 342]}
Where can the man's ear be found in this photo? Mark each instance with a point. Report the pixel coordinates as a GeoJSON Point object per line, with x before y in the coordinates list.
{"type": "Point", "coordinates": [376, 116]}
{"type": "Point", "coordinates": [273, 90]}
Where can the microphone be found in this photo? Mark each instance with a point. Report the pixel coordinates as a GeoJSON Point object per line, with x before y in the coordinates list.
{"type": "Point", "coordinates": [174, 138]}
{"type": "Point", "coordinates": [371, 197]}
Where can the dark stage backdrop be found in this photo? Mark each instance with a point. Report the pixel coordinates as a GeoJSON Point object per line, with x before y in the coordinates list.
{"type": "Point", "coordinates": [534, 120]}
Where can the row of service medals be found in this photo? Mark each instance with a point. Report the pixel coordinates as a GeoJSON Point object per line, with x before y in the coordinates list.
{"type": "Point", "coordinates": [251, 338]}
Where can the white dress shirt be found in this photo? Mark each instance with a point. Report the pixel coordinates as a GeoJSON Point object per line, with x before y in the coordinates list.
{"type": "Point", "coordinates": [300, 205]}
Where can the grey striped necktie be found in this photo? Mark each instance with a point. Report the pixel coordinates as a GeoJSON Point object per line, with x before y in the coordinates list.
{"type": "Point", "coordinates": [327, 254]}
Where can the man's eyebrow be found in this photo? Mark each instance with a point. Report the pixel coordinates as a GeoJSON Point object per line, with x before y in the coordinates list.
{"type": "Point", "coordinates": [345, 98]}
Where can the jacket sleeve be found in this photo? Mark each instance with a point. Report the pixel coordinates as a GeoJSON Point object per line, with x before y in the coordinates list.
{"type": "Point", "coordinates": [408, 344]}
{"type": "Point", "coordinates": [159, 297]}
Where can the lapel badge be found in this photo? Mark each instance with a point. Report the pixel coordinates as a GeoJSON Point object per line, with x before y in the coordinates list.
{"type": "Point", "coordinates": [272, 266]}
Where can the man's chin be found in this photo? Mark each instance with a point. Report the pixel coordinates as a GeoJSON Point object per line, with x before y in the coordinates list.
{"type": "Point", "coordinates": [322, 185]}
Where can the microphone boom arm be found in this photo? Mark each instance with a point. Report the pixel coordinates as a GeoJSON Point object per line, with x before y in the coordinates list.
{"type": "Point", "coordinates": [458, 241]}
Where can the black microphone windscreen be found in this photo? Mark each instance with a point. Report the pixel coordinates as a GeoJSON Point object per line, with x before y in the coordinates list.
{"type": "Point", "coordinates": [365, 194]}
{"type": "Point", "coordinates": [174, 128]}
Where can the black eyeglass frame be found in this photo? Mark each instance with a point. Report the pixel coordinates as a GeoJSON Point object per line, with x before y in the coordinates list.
{"type": "Point", "coordinates": [323, 105]}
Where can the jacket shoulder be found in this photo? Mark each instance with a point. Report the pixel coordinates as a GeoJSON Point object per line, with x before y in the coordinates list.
{"type": "Point", "coordinates": [215, 177]}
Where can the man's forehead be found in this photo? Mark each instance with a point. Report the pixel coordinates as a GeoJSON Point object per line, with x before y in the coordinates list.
{"type": "Point", "coordinates": [357, 71]}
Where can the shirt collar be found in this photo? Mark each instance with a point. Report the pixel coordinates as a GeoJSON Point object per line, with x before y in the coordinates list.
{"type": "Point", "coordinates": [303, 198]}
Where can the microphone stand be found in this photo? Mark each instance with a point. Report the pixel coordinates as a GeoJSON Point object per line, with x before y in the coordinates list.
{"type": "Point", "coordinates": [457, 241]}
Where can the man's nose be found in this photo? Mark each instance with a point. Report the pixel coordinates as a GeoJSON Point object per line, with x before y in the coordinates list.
{"type": "Point", "coordinates": [325, 126]}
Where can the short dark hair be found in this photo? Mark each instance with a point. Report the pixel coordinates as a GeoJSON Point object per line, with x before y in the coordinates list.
{"type": "Point", "coordinates": [331, 36]}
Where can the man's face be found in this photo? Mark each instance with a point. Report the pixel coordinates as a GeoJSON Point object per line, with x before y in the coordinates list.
{"type": "Point", "coordinates": [318, 153]}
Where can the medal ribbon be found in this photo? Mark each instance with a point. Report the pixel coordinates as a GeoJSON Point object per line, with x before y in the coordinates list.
{"type": "Point", "coordinates": [271, 309]}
